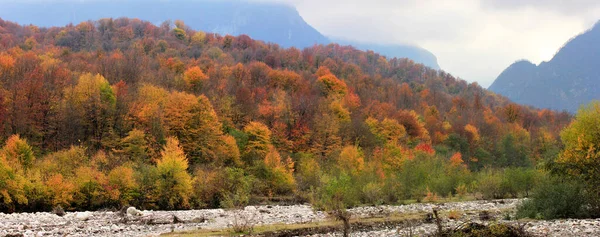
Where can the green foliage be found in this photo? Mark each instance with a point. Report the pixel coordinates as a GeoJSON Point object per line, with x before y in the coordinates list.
{"type": "Point", "coordinates": [337, 193]}
{"type": "Point", "coordinates": [308, 172]}
{"type": "Point", "coordinates": [90, 188]}
{"type": "Point", "coordinates": [520, 181]}
{"type": "Point", "coordinates": [135, 146]}
{"type": "Point", "coordinates": [489, 184]}
{"type": "Point", "coordinates": [235, 188]}
{"type": "Point", "coordinates": [556, 198]}
{"type": "Point", "coordinates": [512, 153]}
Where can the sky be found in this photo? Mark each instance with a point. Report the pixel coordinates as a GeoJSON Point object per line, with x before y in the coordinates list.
{"type": "Point", "coordinates": [472, 39]}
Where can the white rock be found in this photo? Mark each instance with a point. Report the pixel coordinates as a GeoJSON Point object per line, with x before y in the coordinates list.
{"type": "Point", "coordinates": [134, 212]}
{"type": "Point", "coordinates": [83, 216]}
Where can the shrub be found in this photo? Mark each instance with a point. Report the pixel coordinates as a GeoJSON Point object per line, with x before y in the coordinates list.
{"type": "Point", "coordinates": [372, 193]}
{"type": "Point", "coordinates": [454, 215]}
{"type": "Point", "coordinates": [554, 199]}
{"type": "Point", "coordinates": [335, 196]}
{"type": "Point", "coordinates": [489, 184]}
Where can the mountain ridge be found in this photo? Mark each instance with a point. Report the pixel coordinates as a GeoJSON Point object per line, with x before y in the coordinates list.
{"type": "Point", "coordinates": [271, 22]}
{"type": "Point", "coordinates": [566, 82]}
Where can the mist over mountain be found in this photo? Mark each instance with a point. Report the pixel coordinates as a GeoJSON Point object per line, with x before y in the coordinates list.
{"type": "Point", "coordinates": [415, 53]}
{"type": "Point", "coordinates": [270, 22]}
{"type": "Point", "coordinates": [569, 80]}
{"type": "Point", "coordinates": [276, 23]}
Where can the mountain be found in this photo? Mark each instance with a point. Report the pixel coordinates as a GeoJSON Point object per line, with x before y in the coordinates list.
{"type": "Point", "coordinates": [276, 23]}
{"type": "Point", "coordinates": [569, 80]}
{"type": "Point", "coordinates": [147, 117]}
{"type": "Point", "coordinates": [270, 22]}
{"type": "Point", "coordinates": [415, 53]}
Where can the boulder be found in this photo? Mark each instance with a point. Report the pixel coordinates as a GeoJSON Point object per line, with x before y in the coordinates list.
{"type": "Point", "coordinates": [134, 212]}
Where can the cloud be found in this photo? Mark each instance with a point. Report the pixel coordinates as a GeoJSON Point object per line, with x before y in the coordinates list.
{"type": "Point", "coordinates": [559, 6]}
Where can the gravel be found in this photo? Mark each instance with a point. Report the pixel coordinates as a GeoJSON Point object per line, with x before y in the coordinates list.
{"type": "Point", "coordinates": [153, 223]}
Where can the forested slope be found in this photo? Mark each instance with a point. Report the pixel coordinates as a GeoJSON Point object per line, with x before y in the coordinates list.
{"type": "Point", "coordinates": [123, 112]}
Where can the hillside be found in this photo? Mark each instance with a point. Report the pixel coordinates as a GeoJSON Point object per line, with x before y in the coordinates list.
{"type": "Point", "coordinates": [121, 112]}
{"type": "Point", "coordinates": [569, 80]}
{"type": "Point", "coordinates": [415, 53]}
{"type": "Point", "coordinates": [270, 22]}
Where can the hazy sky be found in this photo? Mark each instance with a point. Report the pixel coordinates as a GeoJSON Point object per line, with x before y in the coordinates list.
{"type": "Point", "coordinates": [472, 39]}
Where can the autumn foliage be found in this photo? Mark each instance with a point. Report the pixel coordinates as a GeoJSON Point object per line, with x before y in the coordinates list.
{"type": "Point", "coordinates": [122, 112]}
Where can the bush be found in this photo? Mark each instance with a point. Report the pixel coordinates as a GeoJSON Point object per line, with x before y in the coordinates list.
{"type": "Point", "coordinates": [554, 199]}
{"type": "Point", "coordinates": [519, 181]}
{"type": "Point", "coordinates": [489, 184]}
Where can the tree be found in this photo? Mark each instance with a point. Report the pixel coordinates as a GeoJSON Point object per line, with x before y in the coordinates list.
{"type": "Point", "coordinates": [11, 186]}
{"type": "Point", "coordinates": [580, 158]}
{"type": "Point", "coordinates": [174, 184]}
{"type": "Point", "coordinates": [351, 160]}
{"type": "Point", "coordinates": [194, 122]}
{"type": "Point", "coordinates": [179, 33]}
{"type": "Point", "coordinates": [387, 131]}
{"type": "Point", "coordinates": [198, 38]}
{"type": "Point", "coordinates": [134, 146]}
{"type": "Point", "coordinates": [335, 196]}
{"type": "Point", "coordinates": [90, 188]}
{"type": "Point", "coordinates": [194, 78]}
{"type": "Point", "coordinates": [61, 191]}
{"type": "Point", "coordinates": [277, 174]}
{"type": "Point", "coordinates": [259, 141]}
{"type": "Point", "coordinates": [122, 184]}
{"type": "Point", "coordinates": [332, 86]}
{"type": "Point", "coordinates": [18, 153]}
{"type": "Point", "coordinates": [93, 101]}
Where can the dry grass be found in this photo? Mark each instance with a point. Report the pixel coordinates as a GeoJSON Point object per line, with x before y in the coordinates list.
{"type": "Point", "coordinates": [306, 227]}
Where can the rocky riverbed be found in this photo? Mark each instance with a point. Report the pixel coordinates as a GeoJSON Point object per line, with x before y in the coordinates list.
{"type": "Point", "coordinates": [153, 223]}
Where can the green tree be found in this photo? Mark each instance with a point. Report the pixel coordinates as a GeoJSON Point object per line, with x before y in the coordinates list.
{"type": "Point", "coordinates": [337, 194]}
{"type": "Point", "coordinates": [134, 146]}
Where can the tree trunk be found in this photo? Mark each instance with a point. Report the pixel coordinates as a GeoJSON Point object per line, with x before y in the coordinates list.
{"type": "Point", "coordinates": [346, 221]}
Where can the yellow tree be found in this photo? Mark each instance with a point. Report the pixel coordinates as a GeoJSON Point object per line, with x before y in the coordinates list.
{"type": "Point", "coordinates": [11, 186]}
{"type": "Point", "coordinates": [18, 153]}
{"type": "Point", "coordinates": [174, 184]}
{"type": "Point", "coordinates": [93, 102]}
{"type": "Point", "coordinates": [389, 130]}
{"type": "Point", "coordinates": [580, 158]}
{"type": "Point", "coordinates": [194, 122]}
{"type": "Point", "coordinates": [351, 160]}
{"type": "Point", "coordinates": [279, 175]}
{"type": "Point", "coordinates": [259, 141]}
{"type": "Point", "coordinates": [122, 184]}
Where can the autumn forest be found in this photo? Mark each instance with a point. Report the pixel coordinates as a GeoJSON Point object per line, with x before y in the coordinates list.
{"type": "Point", "coordinates": [117, 112]}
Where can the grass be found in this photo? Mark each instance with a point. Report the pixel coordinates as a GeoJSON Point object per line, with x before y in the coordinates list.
{"type": "Point", "coordinates": [326, 226]}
